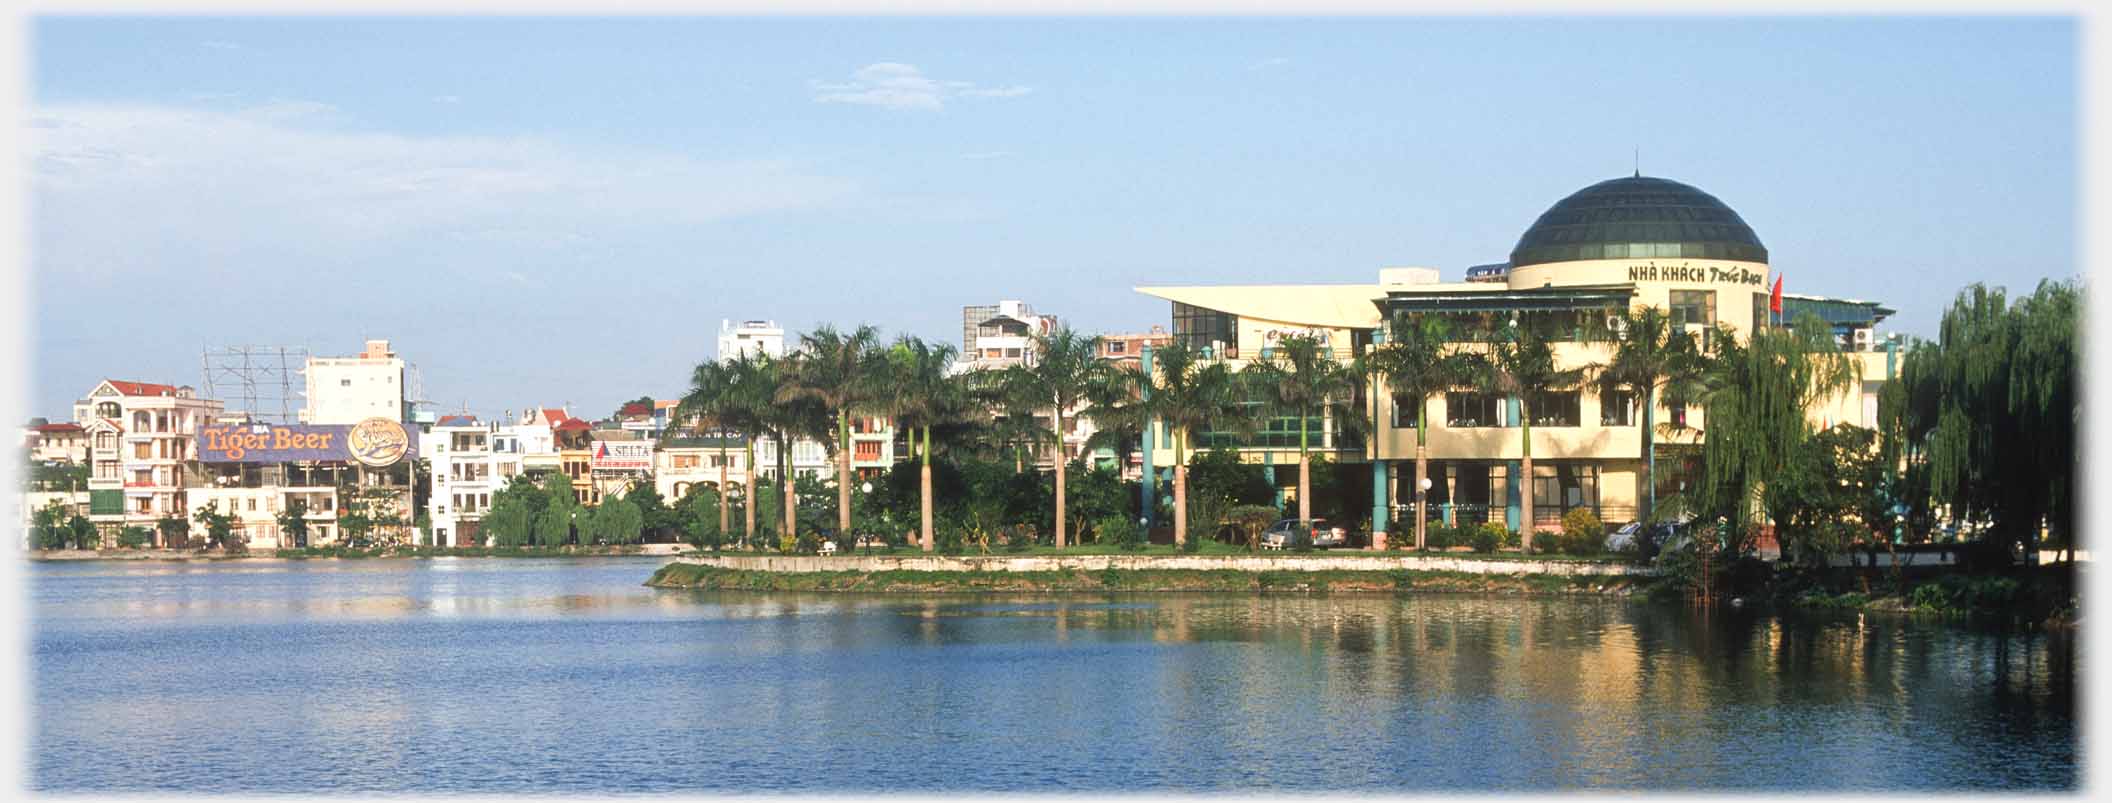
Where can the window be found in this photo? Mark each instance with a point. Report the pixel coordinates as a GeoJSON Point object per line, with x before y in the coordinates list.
{"type": "Point", "coordinates": [1014, 353]}
{"type": "Point", "coordinates": [1472, 410]}
{"type": "Point", "coordinates": [252, 504]}
{"type": "Point", "coordinates": [142, 450]}
{"type": "Point", "coordinates": [1199, 327]}
{"type": "Point", "coordinates": [1616, 407]}
{"type": "Point", "coordinates": [1558, 487]}
{"type": "Point", "coordinates": [1117, 347]}
{"type": "Point", "coordinates": [344, 383]}
{"type": "Point", "coordinates": [1763, 313]}
{"type": "Point", "coordinates": [1406, 412]}
{"type": "Point", "coordinates": [1693, 307]}
{"type": "Point", "coordinates": [1560, 408]}
{"type": "Point", "coordinates": [1679, 415]}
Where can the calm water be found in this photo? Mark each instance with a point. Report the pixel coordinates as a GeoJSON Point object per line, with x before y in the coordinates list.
{"type": "Point", "coordinates": [500, 675]}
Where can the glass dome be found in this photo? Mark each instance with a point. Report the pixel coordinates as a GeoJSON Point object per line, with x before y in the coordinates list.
{"type": "Point", "coordinates": [1638, 217]}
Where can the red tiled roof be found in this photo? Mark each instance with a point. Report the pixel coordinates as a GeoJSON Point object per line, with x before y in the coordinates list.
{"type": "Point", "coordinates": [572, 424]}
{"type": "Point", "coordinates": [636, 408]}
{"type": "Point", "coordinates": [61, 427]}
{"type": "Point", "coordinates": [553, 415]}
{"type": "Point", "coordinates": [141, 388]}
{"type": "Point", "coordinates": [456, 421]}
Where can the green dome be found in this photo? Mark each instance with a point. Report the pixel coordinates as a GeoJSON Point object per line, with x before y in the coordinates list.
{"type": "Point", "coordinates": [1638, 217]}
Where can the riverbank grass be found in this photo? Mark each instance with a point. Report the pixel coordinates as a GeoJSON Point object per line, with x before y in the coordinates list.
{"type": "Point", "coordinates": [698, 576]}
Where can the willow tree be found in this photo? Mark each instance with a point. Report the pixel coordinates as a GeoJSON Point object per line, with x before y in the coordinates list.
{"type": "Point", "coordinates": [1755, 397]}
{"type": "Point", "coordinates": [1063, 367]}
{"type": "Point", "coordinates": [1520, 363]}
{"type": "Point", "coordinates": [1989, 411]}
{"type": "Point", "coordinates": [1417, 361]}
{"type": "Point", "coordinates": [1300, 377]}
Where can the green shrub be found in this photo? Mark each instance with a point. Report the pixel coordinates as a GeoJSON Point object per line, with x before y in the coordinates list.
{"type": "Point", "coordinates": [1487, 537]}
{"type": "Point", "coordinates": [134, 537]}
{"type": "Point", "coordinates": [1547, 543]}
{"type": "Point", "coordinates": [1582, 533]}
{"type": "Point", "coordinates": [1120, 531]}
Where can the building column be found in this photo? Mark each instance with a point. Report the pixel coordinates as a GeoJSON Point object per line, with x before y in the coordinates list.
{"type": "Point", "coordinates": [1378, 504]}
{"type": "Point", "coordinates": [1510, 494]}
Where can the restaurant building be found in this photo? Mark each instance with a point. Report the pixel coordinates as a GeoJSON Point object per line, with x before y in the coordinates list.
{"type": "Point", "coordinates": [1626, 243]}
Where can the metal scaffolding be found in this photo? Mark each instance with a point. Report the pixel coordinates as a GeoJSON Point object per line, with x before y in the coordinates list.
{"type": "Point", "coordinates": [263, 381]}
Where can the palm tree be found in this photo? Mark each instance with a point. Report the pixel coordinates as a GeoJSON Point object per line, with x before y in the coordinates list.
{"type": "Point", "coordinates": [1064, 364]}
{"type": "Point", "coordinates": [1189, 397]}
{"type": "Point", "coordinates": [919, 394]}
{"type": "Point", "coordinates": [1651, 354]}
{"type": "Point", "coordinates": [837, 370]}
{"type": "Point", "coordinates": [1298, 376]}
{"type": "Point", "coordinates": [712, 395]}
{"type": "Point", "coordinates": [1521, 363]}
{"type": "Point", "coordinates": [1418, 361]}
{"type": "Point", "coordinates": [786, 420]}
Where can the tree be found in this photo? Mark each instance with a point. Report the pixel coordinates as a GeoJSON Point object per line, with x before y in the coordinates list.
{"type": "Point", "coordinates": [787, 414]}
{"type": "Point", "coordinates": [1650, 354]}
{"type": "Point", "coordinates": [83, 532]}
{"type": "Point", "coordinates": [48, 528]}
{"type": "Point", "coordinates": [715, 394]}
{"type": "Point", "coordinates": [1755, 397]}
{"type": "Point", "coordinates": [219, 527]}
{"type": "Point", "coordinates": [1520, 363]}
{"type": "Point", "coordinates": [918, 392]}
{"type": "Point", "coordinates": [293, 523]}
{"type": "Point", "coordinates": [553, 525]}
{"type": "Point", "coordinates": [1300, 377]}
{"type": "Point", "coordinates": [134, 537]}
{"type": "Point", "coordinates": [654, 515]}
{"type": "Point", "coordinates": [510, 523]}
{"type": "Point", "coordinates": [1986, 414]}
{"type": "Point", "coordinates": [701, 515]}
{"type": "Point", "coordinates": [1099, 494]}
{"type": "Point", "coordinates": [838, 370]}
{"type": "Point", "coordinates": [1416, 362]}
{"type": "Point", "coordinates": [1064, 366]}
{"type": "Point", "coordinates": [1818, 501]}
{"type": "Point", "coordinates": [616, 521]}
{"type": "Point", "coordinates": [175, 530]}
{"type": "Point", "coordinates": [1189, 397]}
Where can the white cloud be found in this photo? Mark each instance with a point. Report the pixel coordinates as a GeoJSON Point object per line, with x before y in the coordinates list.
{"type": "Point", "coordinates": [891, 85]}
{"type": "Point", "coordinates": [132, 188]}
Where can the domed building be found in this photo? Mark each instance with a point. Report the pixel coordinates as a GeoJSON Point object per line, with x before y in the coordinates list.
{"type": "Point", "coordinates": [1620, 244]}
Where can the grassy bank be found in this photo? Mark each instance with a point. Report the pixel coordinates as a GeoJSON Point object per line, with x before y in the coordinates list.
{"type": "Point", "coordinates": [687, 575]}
{"type": "Point", "coordinates": [454, 552]}
{"type": "Point", "coordinates": [2027, 595]}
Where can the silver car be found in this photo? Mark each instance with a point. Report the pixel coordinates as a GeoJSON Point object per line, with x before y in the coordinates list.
{"type": "Point", "coordinates": [1323, 535]}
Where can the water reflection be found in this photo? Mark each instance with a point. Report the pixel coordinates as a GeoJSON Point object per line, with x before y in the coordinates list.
{"type": "Point", "coordinates": [488, 676]}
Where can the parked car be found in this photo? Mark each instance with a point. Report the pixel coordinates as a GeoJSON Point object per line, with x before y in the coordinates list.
{"type": "Point", "coordinates": [1646, 541]}
{"type": "Point", "coordinates": [1322, 534]}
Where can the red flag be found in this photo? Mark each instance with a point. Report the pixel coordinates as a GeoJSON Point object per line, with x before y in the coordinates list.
{"type": "Point", "coordinates": [1774, 299]}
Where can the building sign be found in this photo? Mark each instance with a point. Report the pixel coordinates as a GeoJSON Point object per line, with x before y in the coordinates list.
{"type": "Point", "coordinates": [1274, 335]}
{"type": "Point", "coordinates": [623, 456]}
{"type": "Point", "coordinates": [378, 442]}
{"type": "Point", "coordinates": [1653, 272]}
{"type": "Point", "coordinates": [375, 442]}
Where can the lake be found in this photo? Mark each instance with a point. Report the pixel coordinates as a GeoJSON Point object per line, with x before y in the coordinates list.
{"type": "Point", "coordinates": [500, 675]}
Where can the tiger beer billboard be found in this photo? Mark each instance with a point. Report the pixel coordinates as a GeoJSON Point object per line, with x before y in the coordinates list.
{"type": "Point", "coordinates": [375, 442]}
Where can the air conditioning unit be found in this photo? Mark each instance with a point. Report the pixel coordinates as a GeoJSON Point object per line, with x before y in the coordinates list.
{"type": "Point", "coordinates": [1862, 339]}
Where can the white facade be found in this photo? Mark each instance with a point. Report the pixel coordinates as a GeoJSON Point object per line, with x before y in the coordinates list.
{"type": "Point", "coordinates": [751, 337]}
{"type": "Point", "coordinates": [348, 390]}
{"type": "Point", "coordinates": [141, 439]}
{"type": "Point", "coordinates": [999, 335]}
{"type": "Point", "coordinates": [470, 462]}
{"type": "Point", "coordinates": [685, 463]}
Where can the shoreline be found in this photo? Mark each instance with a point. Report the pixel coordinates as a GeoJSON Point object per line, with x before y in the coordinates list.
{"type": "Point", "coordinates": [698, 575]}
{"type": "Point", "coordinates": [326, 553]}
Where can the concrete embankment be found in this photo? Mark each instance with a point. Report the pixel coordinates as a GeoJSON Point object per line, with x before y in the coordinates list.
{"type": "Point", "coordinates": [939, 574]}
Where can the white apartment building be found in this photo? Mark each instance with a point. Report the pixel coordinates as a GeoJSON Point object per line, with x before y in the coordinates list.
{"type": "Point", "coordinates": [751, 337]}
{"type": "Point", "coordinates": [872, 452]}
{"type": "Point", "coordinates": [470, 462]}
{"type": "Point", "coordinates": [1001, 334]}
{"type": "Point", "coordinates": [140, 447]}
{"type": "Point", "coordinates": [62, 442]}
{"type": "Point", "coordinates": [348, 390]}
{"type": "Point", "coordinates": [680, 464]}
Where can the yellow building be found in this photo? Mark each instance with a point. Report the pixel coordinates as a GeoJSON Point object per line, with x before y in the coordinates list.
{"type": "Point", "coordinates": [1629, 242]}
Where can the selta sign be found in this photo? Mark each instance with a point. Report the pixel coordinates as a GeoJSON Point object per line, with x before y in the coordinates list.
{"type": "Point", "coordinates": [375, 442]}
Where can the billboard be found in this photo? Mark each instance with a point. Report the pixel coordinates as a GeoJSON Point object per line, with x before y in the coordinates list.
{"type": "Point", "coordinates": [375, 442]}
{"type": "Point", "coordinates": [623, 456]}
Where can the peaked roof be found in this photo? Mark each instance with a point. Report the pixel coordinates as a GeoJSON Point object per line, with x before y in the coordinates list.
{"type": "Point", "coordinates": [59, 427]}
{"type": "Point", "coordinates": [456, 421]}
{"type": "Point", "coordinates": [571, 424]}
{"type": "Point", "coordinates": [130, 388]}
{"type": "Point", "coordinates": [636, 408]}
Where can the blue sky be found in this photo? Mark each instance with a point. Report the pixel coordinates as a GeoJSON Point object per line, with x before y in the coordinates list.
{"type": "Point", "coordinates": [543, 211]}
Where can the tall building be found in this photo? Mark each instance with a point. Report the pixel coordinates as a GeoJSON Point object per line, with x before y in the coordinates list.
{"type": "Point", "coordinates": [1001, 334]}
{"type": "Point", "coordinates": [141, 451]}
{"type": "Point", "coordinates": [470, 462]}
{"type": "Point", "coordinates": [751, 337]}
{"type": "Point", "coordinates": [1621, 244]}
{"type": "Point", "coordinates": [348, 390]}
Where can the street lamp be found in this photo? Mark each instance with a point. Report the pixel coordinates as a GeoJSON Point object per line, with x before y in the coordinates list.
{"type": "Point", "coordinates": [1422, 510]}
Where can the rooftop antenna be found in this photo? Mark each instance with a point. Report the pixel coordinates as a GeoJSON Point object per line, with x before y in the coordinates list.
{"type": "Point", "coordinates": [1638, 161]}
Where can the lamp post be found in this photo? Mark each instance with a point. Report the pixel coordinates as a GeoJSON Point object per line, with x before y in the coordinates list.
{"type": "Point", "coordinates": [856, 539]}
{"type": "Point", "coordinates": [1422, 515]}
